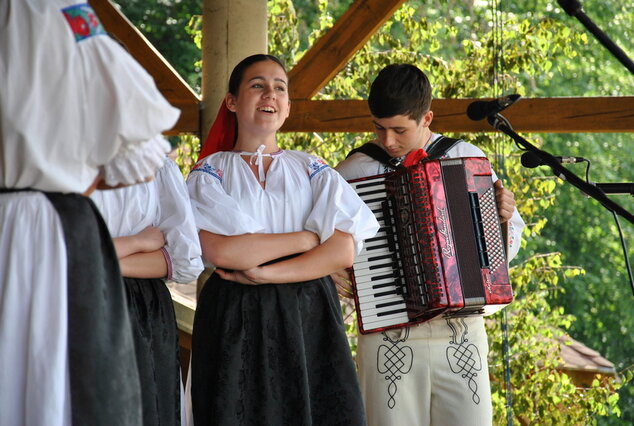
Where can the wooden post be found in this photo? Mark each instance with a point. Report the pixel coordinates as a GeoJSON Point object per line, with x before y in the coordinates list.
{"type": "Point", "coordinates": [232, 30]}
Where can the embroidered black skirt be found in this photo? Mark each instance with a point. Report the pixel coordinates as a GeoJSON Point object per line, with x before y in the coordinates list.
{"type": "Point", "coordinates": [155, 337]}
{"type": "Point", "coordinates": [272, 355]}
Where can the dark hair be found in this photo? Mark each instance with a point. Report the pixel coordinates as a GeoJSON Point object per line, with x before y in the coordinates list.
{"type": "Point", "coordinates": [238, 70]}
{"type": "Point", "coordinates": [400, 89]}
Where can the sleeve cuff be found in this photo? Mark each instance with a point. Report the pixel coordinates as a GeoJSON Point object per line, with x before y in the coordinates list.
{"type": "Point", "coordinates": [136, 162]}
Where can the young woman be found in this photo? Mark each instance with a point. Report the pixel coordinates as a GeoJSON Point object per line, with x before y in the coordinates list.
{"type": "Point", "coordinates": [155, 239]}
{"type": "Point", "coordinates": [269, 345]}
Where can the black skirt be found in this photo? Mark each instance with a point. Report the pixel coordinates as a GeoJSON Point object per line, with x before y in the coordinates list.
{"type": "Point", "coordinates": [272, 355]}
{"type": "Point", "coordinates": [155, 337]}
{"type": "Point", "coordinates": [104, 382]}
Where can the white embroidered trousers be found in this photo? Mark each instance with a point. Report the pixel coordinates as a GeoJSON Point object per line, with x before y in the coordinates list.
{"type": "Point", "coordinates": [435, 373]}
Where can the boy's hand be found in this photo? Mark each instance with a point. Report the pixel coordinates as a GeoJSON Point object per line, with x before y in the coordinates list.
{"type": "Point", "coordinates": [343, 283]}
{"type": "Point", "coordinates": [505, 201]}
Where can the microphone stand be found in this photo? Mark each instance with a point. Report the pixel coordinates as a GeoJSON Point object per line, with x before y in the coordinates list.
{"type": "Point", "coordinates": [616, 188]}
{"type": "Point", "coordinates": [500, 123]}
{"type": "Point", "coordinates": [573, 8]}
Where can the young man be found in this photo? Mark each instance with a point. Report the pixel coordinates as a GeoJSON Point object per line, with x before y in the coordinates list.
{"type": "Point", "coordinates": [435, 372]}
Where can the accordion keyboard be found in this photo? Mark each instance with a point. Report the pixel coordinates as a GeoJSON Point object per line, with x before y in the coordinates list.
{"type": "Point", "coordinates": [377, 270]}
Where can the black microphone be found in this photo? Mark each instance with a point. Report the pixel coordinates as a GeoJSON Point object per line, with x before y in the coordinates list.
{"type": "Point", "coordinates": [479, 110]}
{"type": "Point", "coordinates": [532, 160]}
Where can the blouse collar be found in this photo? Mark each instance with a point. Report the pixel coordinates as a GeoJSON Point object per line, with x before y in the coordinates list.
{"type": "Point", "coordinates": [257, 159]}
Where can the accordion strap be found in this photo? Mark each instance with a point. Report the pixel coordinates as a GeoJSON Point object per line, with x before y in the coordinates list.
{"type": "Point", "coordinates": [437, 149]}
{"type": "Point", "coordinates": [440, 146]}
{"type": "Point", "coordinates": [377, 153]}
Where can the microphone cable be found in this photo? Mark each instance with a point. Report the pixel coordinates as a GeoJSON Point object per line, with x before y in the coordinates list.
{"type": "Point", "coordinates": [628, 267]}
{"type": "Point", "coordinates": [497, 51]}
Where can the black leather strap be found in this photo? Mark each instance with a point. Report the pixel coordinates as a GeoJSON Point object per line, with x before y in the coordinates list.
{"type": "Point", "coordinates": [437, 149]}
{"type": "Point", "coordinates": [377, 153]}
{"type": "Point", "coordinates": [440, 146]}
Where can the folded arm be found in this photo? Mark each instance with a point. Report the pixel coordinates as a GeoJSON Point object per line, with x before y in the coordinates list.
{"type": "Point", "coordinates": [247, 251]}
{"type": "Point", "coordinates": [144, 265]}
{"type": "Point", "coordinates": [140, 255]}
{"type": "Point", "coordinates": [335, 253]}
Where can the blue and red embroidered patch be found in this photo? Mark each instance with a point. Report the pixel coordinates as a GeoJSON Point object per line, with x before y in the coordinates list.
{"type": "Point", "coordinates": [202, 166]}
{"type": "Point", "coordinates": [83, 21]}
{"type": "Point", "coordinates": [316, 165]}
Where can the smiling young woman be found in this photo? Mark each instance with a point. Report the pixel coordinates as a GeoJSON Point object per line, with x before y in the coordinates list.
{"type": "Point", "coordinates": [261, 105]}
{"type": "Point", "coordinates": [268, 343]}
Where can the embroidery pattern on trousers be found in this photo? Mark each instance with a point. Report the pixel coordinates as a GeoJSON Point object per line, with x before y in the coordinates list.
{"type": "Point", "coordinates": [464, 357]}
{"type": "Point", "coordinates": [394, 359]}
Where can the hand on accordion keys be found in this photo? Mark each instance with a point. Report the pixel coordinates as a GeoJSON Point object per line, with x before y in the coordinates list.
{"type": "Point", "coordinates": [505, 201]}
{"type": "Point", "coordinates": [343, 283]}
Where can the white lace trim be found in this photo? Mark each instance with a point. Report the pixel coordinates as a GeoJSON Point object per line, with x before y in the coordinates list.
{"type": "Point", "coordinates": [135, 162]}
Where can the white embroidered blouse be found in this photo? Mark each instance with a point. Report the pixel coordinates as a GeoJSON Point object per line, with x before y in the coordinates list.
{"type": "Point", "coordinates": [302, 193]}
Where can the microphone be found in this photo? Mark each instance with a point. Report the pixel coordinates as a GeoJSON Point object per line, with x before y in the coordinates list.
{"type": "Point", "coordinates": [479, 110]}
{"type": "Point", "coordinates": [532, 160]}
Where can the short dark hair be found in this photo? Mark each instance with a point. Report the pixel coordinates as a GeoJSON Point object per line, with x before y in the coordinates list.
{"type": "Point", "coordinates": [400, 89]}
{"type": "Point", "coordinates": [238, 71]}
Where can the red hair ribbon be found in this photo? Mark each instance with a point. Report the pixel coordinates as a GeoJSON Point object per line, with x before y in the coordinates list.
{"type": "Point", "coordinates": [222, 135]}
{"type": "Point", "coordinates": [414, 157]}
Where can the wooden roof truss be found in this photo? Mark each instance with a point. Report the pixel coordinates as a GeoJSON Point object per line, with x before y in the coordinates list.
{"type": "Point", "coordinates": [332, 52]}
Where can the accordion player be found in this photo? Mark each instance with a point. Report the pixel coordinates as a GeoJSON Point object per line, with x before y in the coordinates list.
{"type": "Point", "coordinates": [440, 250]}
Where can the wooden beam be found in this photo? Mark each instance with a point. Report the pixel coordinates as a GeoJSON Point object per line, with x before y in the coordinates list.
{"type": "Point", "coordinates": [537, 115]}
{"type": "Point", "coordinates": [335, 48]}
{"type": "Point", "coordinates": [168, 81]}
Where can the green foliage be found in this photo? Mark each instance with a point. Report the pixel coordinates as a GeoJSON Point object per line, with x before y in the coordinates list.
{"type": "Point", "coordinates": [186, 153]}
{"type": "Point", "coordinates": [282, 21]}
{"type": "Point", "coordinates": [578, 227]}
{"type": "Point", "coordinates": [542, 393]}
{"type": "Point", "coordinates": [165, 23]}
{"type": "Point", "coordinates": [586, 232]}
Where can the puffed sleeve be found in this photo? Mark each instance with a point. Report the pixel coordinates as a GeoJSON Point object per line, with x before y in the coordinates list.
{"type": "Point", "coordinates": [337, 206]}
{"type": "Point", "coordinates": [74, 102]}
{"type": "Point", "coordinates": [214, 209]}
{"type": "Point", "coordinates": [176, 220]}
{"type": "Point", "coordinates": [142, 113]}
{"type": "Point", "coordinates": [135, 161]}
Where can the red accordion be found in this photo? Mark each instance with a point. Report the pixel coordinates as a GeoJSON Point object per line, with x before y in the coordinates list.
{"type": "Point", "coordinates": [440, 249]}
